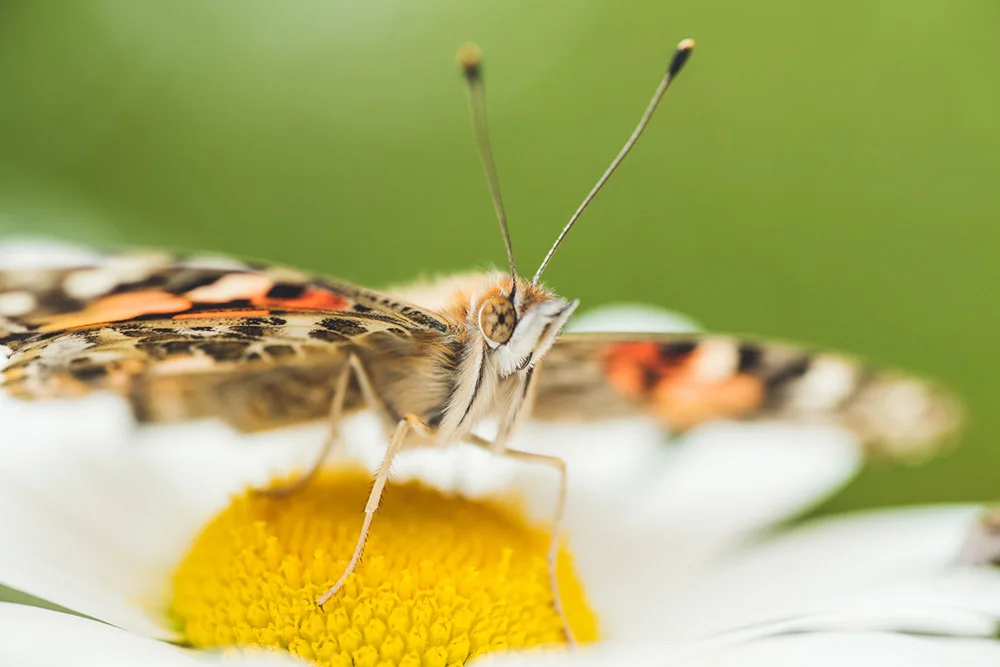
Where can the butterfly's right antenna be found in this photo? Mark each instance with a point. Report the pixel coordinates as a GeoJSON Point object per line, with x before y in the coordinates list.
{"type": "Point", "coordinates": [681, 56]}
{"type": "Point", "coordinates": [470, 59]}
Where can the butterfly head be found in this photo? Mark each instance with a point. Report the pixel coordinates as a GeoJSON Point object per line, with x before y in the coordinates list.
{"type": "Point", "coordinates": [519, 322]}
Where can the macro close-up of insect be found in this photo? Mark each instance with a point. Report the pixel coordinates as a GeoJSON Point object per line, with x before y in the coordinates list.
{"type": "Point", "coordinates": [264, 347]}
{"type": "Point", "coordinates": [205, 348]}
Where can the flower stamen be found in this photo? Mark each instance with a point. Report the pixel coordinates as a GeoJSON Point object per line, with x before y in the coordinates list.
{"type": "Point", "coordinates": [444, 579]}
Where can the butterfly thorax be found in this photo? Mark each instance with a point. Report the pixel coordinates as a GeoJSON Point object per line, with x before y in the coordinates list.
{"type": "Point", "coordinates": [500, 329]}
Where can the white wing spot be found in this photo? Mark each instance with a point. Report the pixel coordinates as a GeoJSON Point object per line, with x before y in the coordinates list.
{"type": "Point", "coordinates": [231, 286]}
{"type": "Point", "coordinates": [90, 283]}
{"type": "Point", "coordinates": [906, 402]}
{"type": "Point", "coordinates": [13, 304]}
{"type": "Point", "coordinates": [715, 360]}
{"type": "Point", "coordinates": [825, 385]}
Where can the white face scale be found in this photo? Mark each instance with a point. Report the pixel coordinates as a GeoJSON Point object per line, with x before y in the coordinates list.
{"type": "Point", "coordinates": [527, 336]}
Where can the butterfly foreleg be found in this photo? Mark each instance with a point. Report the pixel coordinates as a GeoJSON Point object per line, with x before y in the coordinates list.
{"type": "Point", "coordinates": [332, 439]}
{"type": "Point", "coordinates": [371, 397]}
{"type": "Point", "coordinates": [522, 400]}
{"type": "Point", "coordinates": [407, 424]}
{"type": "Point", "coordinates": [559, 515]}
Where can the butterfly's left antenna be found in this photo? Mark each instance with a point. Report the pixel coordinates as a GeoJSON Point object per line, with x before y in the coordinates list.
{"type": "Point", "coordinates": [470, 58]}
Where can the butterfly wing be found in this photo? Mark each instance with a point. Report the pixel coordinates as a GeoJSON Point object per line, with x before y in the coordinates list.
{"type": "Point", "coordinates": [685, 380]}
{"type": "Point", "coordinates": [259, 347]}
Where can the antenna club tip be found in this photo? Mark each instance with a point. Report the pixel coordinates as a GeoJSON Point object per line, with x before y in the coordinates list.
{"type": "Point", "coordinates": [470, 59]}
{"type": "Point", "coordinates": [681, 55]}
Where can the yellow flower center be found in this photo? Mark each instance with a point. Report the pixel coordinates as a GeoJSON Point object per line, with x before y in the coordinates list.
{"type": "Point", "coordinates": [443, 580]}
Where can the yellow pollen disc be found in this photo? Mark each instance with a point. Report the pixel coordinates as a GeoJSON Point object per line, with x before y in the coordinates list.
{"type": "Point", "coordinates": [442, 581]}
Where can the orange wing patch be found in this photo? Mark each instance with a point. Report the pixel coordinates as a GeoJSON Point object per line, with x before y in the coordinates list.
{"type": "Point", "coordinates": [223, 314]}
{"type": "Point", "coordinates": [313, 299]}
{"type": "Point", "coordinates": [233, 295]}
{"type": "Point", "coordinates": [118, 308]}
{"type": "Point", "coordinates": [685, 383]}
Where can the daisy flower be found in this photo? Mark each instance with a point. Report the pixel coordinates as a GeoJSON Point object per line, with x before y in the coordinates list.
{"type": "Point", "coordinates": [672, 555]}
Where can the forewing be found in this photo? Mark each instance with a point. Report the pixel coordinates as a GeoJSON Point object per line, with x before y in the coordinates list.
{"type": "Point", "coordinates": [144, 286]}
{"type": "Point", "coordinates": [686, 380]}
{"type": "Point", "coordinates": [257, 347]}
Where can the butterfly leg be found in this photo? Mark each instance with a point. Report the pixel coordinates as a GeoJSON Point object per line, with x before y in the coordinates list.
{"type": "Point", "coordinates": [560, 513]}
{"type": "Point", "coordinates": [403, 428]}
{"type": "Point", "coordinates": [370, 396]}
{"type": "Point", "coordinates": [332, 437]}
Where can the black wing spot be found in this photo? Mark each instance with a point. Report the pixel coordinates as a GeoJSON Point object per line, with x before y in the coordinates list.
{"type": "Point", "coordinates": [89, 373]}
{"type": "Point", "coordinates": [224, 350]}
{"type": "Point", "coordinates": [328, 336]}
{"type": "Point", "coordinates": [185, 281]}
{"type": "Point", "coordinates": [342, 326]}
{"type": "Point", "coordinates": [791, 372]}
{"type": "Point", "coordinates": [286, 291]}
{"type": "Point", "coordinates": [150, 282]}
{"type": "Point", "coordinates": [750, 358]}
{"type": "Point", "coordinates": [671, 352]}
{"type": "Point", "coordinates": [157, 348]}
{"type": "Point", "coordinates": [58, 302]}
{"type": "Point", "coordinates": [249, 330]}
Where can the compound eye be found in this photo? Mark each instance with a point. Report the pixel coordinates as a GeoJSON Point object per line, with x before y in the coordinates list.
{"type": "Point", "coordinates": [497, 319]}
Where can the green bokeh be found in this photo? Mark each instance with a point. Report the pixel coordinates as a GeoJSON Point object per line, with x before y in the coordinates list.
{"type": "Point", "coordinates": [824, 171]}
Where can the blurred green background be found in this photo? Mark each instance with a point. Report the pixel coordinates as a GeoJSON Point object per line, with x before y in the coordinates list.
{"type": "Point", "coordinates": [824, 171]}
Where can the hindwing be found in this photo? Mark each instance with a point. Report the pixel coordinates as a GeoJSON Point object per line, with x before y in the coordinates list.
{"type": "Point", "coordinates": [684, 380]}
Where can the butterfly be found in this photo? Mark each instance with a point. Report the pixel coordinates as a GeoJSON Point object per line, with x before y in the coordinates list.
{"type": "Point", "coordinates": [262, 346]}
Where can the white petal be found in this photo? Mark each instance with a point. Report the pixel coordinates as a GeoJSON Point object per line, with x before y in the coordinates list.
{"type": "Point", "coordinates": [602, 654]}
{"type": "Point", "coordinates": [814, 649]}
{"type": "Point", "coordinates": [692, 503]}
{"type": "Point", "coordinates": [251, 658]}
{"type": "Point", "coordinates": [728, 480]}
{"type": "Point", "coordinates": [874, 562]}
{"type": "Point", "coordinates": [637, 318]}
{"type": "Point", "coordinates": [97, 513]}
{"type": "Point", "coordinates": [854, 649]}
{"type": "Point", "coordinates": [33, 637]}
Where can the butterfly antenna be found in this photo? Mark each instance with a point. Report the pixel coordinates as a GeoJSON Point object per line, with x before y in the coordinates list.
{"type": "Point", "coordinates": [681, 56]}
{"type": "Point", "coordinates": [470, 59]}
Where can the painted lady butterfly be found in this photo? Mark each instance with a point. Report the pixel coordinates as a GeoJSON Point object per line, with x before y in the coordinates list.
{"type": "Point", "coordinates": [261, 347]}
